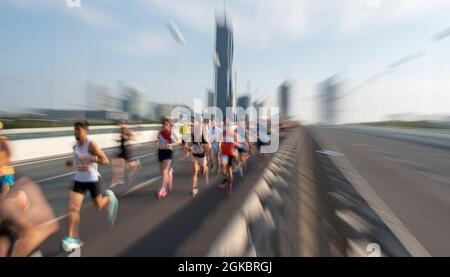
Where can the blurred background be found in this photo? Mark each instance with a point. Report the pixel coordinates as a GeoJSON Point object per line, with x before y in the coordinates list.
{"type": "Point", "coordinates": [367, 81]}
{"type": "Point", "coordinates": [352, 61]}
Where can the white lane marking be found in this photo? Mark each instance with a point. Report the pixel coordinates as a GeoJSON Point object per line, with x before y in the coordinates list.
{"type": "Point", "coordinates": [42, 161]}
{"type": "Point", "coordinates": [330, 153]}
{"type": "Point", "coordinates": [145, 155]}
{"type": "Point", "coordinates": [70, 173]}
{"type": "Point", "coordinates": [67, 174]}
{"type": "Point", "coordinates": [54, 177]}
{"type": "Point", "coordinates": [142, 185]}
{"type": "Point", "coordinates": [135, 188]}
{"type": "Point", "coordinates": [54, 220]}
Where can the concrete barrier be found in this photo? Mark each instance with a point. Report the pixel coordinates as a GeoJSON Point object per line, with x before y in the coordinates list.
{"type": "Point", "coordinates": [303, 206]}
{"type": "Point", "coordinates": [251, 231]}
{"type": "Point", "coordinates": [40, 148]}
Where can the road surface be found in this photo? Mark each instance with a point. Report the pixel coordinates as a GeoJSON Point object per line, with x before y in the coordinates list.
{"type": "Point", "coordinates": [410, 172]}
{"type": "Point", "coordinates": [178, 225]}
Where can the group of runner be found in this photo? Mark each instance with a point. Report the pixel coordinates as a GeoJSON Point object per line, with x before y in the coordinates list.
{"type": "Point", "coordinates": [217, 147]}
{"type": "Point", "coordinates": [220, 147]}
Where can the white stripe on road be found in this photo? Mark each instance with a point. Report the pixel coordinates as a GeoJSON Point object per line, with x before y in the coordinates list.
{"type": "Point", "coordinates": [67, 174]}
{"type": "Point", "coordinates": [145, 155]}
{"type": "Point", "coordinates": [54, 177]}
{"type": "Point", "coordinates": [54, 220]}
{"type": "Point", "coordinates": [142, 185]}
{"type": "Point", "coordinates": [49, 160]}
{"type": "Point", "coordinates": [42, 161]}
{"type": "Point", "coordinates": [135, 188]}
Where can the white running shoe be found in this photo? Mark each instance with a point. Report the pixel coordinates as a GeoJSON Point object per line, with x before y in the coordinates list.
{"type": "Point", "coordinates": [113, 206]}
{"type": "Point", "coordinates": [241, 171]}
{"type": "Point", "coordinates": [68, 244]}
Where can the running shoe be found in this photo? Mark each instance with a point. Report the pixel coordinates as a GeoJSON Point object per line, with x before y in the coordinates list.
{"type": "Point", "coordinates": [68, 244]}
{"type": "Point", "coordinates": [113, 206]}
{"type": "Point", "coordinates": [161, 193]}
{"type": "Point", "coordinates": [194, 192]}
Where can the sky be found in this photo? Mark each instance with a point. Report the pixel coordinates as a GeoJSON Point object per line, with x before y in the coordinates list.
{"type": "Point", "coordinates": [49, 52]}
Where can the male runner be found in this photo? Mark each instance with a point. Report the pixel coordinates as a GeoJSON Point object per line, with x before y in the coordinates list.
{"type": "Point", "coordinates": [244, 148]}
{"type": "Point", "coordinates": [228, 153]}
{"type": "Point", "coordinates": [215, 136]}
{"type": "Point", "coordinates": [87, 156]}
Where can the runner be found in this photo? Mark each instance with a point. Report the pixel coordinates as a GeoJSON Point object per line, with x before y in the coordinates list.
{"type": "Point", "coordinates": [244, 148]}
{"type": "Point", "coordinates": [26, 220]}
{"type": "Point", "coordinates": [214, 136]}
{"type": "Point", "coordinates": [167, 140]}
{"type": "Point", "coordinates": [87, 156]}
{"type": "Point", "coordinates": [228, 154]}
{"type": "Point", "coordinates": [124, 160]}
{"type": "Point", "coordinates": [263, 139]}
{"type": "Point", "coordinates": [6, 171]}
{"type": "Point", "coordinates": [199, 148]}
{"type": "Point", "coordinates": [185, 133]}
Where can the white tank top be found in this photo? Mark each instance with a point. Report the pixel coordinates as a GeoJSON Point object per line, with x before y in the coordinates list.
{"type": "Point", "coordinates": [85, 172]}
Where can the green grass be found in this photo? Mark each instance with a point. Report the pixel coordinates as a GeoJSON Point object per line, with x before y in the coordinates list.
{"type": "Point", "coordinates": [16, 123]}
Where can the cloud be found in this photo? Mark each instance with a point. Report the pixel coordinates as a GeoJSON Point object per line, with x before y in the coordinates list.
{"type": "Point", "coordinates": [87, 13]}
{"type": "Point", "coordinates": [95, 17]}
{"type": "Point", "coordinates": [263, 21]}
{"type": "Point", "coordinates": [142, 45]}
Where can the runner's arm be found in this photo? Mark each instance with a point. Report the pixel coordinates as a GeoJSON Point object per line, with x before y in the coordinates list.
{"type": "Point", "coordinates": [6, 159]}
{"type": "Point", "coordinates": [177, 140]}
{"type": "Point", "coordinates": [99, 156]}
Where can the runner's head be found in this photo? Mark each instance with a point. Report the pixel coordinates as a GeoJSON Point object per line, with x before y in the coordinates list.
{"type": "Point", "coordinates": [213, 123]}
{"type": "Point", "coordinates": [81, 130]}
{"type": "Point", "coordinates": [167, 124]}
{"type": "Point", "coordinates": [121, 122]}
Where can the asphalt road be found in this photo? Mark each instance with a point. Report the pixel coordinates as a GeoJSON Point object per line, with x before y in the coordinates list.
{"type": "Point", "coordinates": [410, 172]}
{"type": "Point", "coordinates": [178, 225]}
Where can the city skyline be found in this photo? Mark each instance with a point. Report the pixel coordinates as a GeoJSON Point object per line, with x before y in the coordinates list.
{"type": "Point", "coordinates": [53, 51]}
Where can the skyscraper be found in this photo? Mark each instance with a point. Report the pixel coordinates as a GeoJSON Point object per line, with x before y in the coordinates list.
{"type": "Point", "coordinates": [283, 99]}
{"type": "Point", "coordinates": [329, 90]}
{"type": "Point", "coordinates": [210, 98]}
{"type": "Point", "coordinates": [244, 101]}
{"type": "Point", "coordinates": [223, 69]}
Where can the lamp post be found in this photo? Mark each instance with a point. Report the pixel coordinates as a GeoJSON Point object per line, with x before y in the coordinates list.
{"type": "Point", "coordinates": [179, 39]}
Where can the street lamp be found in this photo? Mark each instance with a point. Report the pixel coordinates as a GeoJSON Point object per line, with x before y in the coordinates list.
{"type": "Point", "coordinates": [179, 39]}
